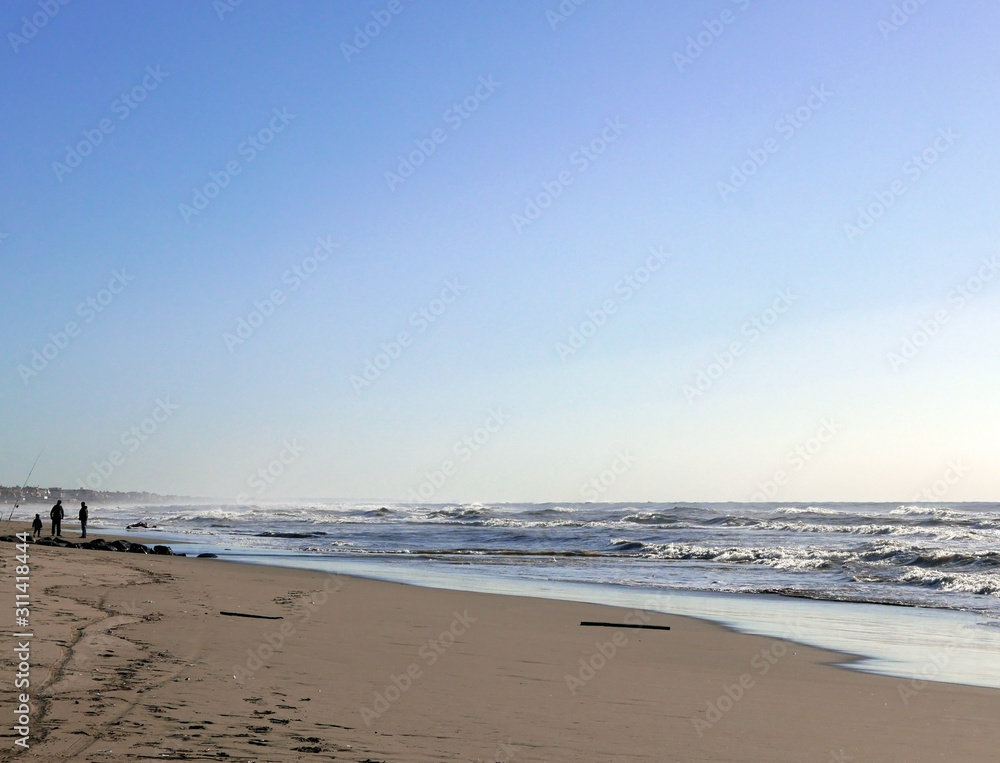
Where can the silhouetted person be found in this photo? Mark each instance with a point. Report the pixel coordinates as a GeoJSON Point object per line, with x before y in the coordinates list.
{"type": "Point", "coordinates": [57, 515]}
{"type": "Point", "coordinates": [84, 514]}
{"type": "Point", "coordinates": [36, 527]}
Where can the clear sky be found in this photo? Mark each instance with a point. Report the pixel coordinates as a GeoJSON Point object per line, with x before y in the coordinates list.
{"type": "Point", "coordinates": [635, 250]}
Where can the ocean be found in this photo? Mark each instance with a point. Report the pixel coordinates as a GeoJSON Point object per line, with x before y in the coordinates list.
{"type": "Point", "coordinates": [762, 567]}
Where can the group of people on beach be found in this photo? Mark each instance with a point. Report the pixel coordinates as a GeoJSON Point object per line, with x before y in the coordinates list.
{"type": "Point", "coordinates": [56, 514]}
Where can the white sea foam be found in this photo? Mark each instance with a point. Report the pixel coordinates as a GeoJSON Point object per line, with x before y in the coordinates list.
{"type": "Point", "coordinates": [932, 555]}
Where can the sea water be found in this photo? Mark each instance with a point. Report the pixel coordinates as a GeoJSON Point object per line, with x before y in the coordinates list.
{"type": "Point", "coordinates": [814, 573]}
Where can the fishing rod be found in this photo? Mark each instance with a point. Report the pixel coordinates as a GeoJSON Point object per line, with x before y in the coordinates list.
{"type": "Point", "coordinates": [20, 495]}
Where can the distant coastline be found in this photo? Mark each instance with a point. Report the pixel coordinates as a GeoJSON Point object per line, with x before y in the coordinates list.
{"type": "Point", "coordinates": [8, 495]}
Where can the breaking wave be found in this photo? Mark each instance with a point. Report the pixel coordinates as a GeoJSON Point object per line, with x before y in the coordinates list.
{"type": "Point", "coordinates": [924, 554]}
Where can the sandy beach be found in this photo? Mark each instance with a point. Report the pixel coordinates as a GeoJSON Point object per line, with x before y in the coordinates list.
{"type": "Point", "coordinates": [132, 660]}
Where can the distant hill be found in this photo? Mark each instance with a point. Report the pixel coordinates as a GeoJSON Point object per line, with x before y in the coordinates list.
{"type": "Point", "coordinates": [8, 495]}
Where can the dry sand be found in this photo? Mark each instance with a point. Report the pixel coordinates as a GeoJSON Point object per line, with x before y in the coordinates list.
{"type": "Point", "coordinates": [131, 660]}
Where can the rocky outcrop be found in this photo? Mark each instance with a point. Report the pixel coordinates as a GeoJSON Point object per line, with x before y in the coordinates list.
{"type": "Point", "coordinates": [98, 544]}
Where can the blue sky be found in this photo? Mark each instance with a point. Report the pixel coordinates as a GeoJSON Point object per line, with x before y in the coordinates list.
{"type": "Point", "coordinates": [827, 170]}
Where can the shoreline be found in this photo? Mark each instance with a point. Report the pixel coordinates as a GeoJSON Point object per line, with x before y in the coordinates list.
{"type": "Point", "coordinates": [909, 643]}
{"type": "Point", "coordinates": [133, 657]}
{"type": "Point", "coordinates": [914, 643]}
